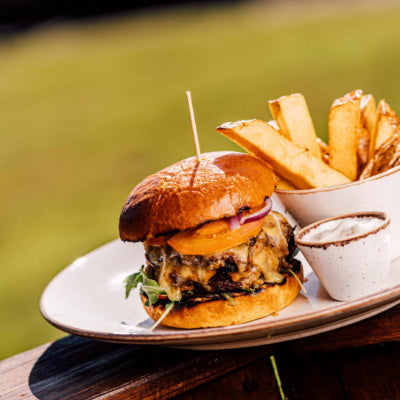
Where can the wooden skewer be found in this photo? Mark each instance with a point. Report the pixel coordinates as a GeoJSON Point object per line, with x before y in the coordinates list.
{"type": "Point", "coordinates": [193, 122]}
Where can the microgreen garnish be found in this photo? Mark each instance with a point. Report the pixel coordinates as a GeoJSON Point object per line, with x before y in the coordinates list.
{"type": "Point", "coordinates": [254, 290]}
{"type": "Point", "coordinates": [167, 310]}
{"type": "Point", "coordinates": [149, 286]}
{"type": "Point", "coordinates": [131, 282]}
{"type": "Point", "coordinates": [298, 280]}
{"type": "Point", "coordinates": [229, 298]}
{"type": "Point", "coordinates": [295, 252]}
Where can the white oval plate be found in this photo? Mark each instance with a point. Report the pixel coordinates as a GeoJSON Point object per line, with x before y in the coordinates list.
{"type": "Point", "coordinates": [87, 298]}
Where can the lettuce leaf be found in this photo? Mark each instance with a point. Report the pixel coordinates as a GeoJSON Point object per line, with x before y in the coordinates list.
{"type": "Point", "coordinates": [149, 286]}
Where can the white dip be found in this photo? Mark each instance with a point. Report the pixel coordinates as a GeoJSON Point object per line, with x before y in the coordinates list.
{"type": "Point", "coordinates": [342, 229]}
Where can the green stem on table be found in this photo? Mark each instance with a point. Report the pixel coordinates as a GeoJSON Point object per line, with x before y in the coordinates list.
{"type": "Point", "coordinates": [277, 378]}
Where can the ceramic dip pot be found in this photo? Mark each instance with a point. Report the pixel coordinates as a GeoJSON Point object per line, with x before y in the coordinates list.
{"type": "Point", "coordinates": [349, 253]}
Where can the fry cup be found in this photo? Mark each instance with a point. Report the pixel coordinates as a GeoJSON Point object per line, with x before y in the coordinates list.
{"type": "Point", "coordinates": [380, 192]}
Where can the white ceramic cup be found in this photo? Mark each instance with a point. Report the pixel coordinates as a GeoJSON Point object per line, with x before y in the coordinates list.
{"type": "Point", "coordinates": [352, 267]}
{"type": "Point", "coordinates": [380, 192]}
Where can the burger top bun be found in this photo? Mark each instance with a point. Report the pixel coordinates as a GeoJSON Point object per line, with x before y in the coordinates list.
{"type": "Point", "coordinates": [191, 192]}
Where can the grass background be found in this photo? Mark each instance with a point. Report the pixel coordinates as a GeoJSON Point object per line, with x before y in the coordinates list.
{"type": "Point", "coordinates": [89, 109]}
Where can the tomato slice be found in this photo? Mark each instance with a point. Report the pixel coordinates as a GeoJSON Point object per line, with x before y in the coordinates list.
{"type": "Point", "coordinates": [213, 237]}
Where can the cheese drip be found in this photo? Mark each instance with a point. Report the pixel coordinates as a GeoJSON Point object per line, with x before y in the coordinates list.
{"type": "Point", "coordinates": [258, 260]}
{"type": "Point", "coordinates": [269, 257]}
{"type": "Point", "coordinates": [184, 273]}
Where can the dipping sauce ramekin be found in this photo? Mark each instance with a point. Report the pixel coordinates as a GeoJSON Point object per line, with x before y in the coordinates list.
{"type": "Point", "coordinates": [353, 264]}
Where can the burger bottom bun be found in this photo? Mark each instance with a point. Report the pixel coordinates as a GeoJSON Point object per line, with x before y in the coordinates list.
{"type": "Point", "coordinates": [216, 313]}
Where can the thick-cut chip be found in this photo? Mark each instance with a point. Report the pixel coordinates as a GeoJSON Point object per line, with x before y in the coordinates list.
{"type": "Point", "coordinates": [367, 129]}
{"type": "Point", "coordinates": [344, 124]}
{"type": "Point", "coordinates": [285, 184]}
{"type": "Point", "coordinates": [294, 120]}
{"type": "Point", "coordinates": [274, 124]}
{"type": "Point", "coordinates": [387, 123]}
{"type": "Point", "coordinates": [386, 157]}
{"type": "Point", "coordinates": [288, 160]}
{"type": "Point", "coordinates": [324, 150]}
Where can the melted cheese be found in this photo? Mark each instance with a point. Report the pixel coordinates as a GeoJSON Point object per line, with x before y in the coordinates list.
{"type": "Point", "coordinates": [182, 273]}
{"type": "Point", "coordinates": [256, 264]}
{"type": "Point", "coordinates": [268, 257]}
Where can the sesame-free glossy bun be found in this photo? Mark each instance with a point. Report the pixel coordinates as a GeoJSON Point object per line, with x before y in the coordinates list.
{"type": "Point", "coordinates": [248, 307]}
{"type": "Point", "coordinates": [189, 193]}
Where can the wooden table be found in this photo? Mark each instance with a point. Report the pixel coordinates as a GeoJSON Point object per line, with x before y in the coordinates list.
{"type": "Point", "coordinates": [361, 361]}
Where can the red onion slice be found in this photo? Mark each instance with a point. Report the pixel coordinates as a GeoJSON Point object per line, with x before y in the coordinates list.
{"type": "Point", "coordinates": [237, 220]}
{"type": "Point", "coordinates": [234, 222]}
{"type": "Point", "coordinates": [258, 214]}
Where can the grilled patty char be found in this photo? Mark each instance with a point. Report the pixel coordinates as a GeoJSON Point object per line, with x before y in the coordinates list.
{"type": "Point", "coordinates": [242, 268]}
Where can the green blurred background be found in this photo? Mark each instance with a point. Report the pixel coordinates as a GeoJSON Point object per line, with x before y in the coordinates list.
{"type": "Point", "coordinates": [89, 108]}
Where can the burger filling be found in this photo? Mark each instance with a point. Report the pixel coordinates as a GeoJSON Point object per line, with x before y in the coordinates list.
{"type": "Point", "coordinates": [261, 259]}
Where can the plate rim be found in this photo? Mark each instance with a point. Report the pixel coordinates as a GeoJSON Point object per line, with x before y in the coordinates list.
{"type": "Point", "coordinates": [289, 336]}
{"type": "Point", "coordinates": [334, 311]}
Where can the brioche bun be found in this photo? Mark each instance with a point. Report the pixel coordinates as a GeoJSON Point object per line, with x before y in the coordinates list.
{"type": "Point", "coordinates": [248, 307]}
{"type": "Point", "coordinates": [189, 193]}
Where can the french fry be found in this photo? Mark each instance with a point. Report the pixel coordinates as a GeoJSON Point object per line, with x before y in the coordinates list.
{"type": "Point", "coordinates": [274, 124]}
{"type": "Point", "coordinates": [387, 123]}
{"type": "Point", "coordinates": [367, 129]}
{"type": "Point", "coordinates": [292, 162]}
{"type": "Point", "coordinates": [344, 124]}
{"type": "Point", "coordinates": [284, 184]}
{"type": "Point", "coordinates": [324, 150]}
{"type": "Point", "coordinates": [294, 120]}
{"type": "Point", "coordinates": [386, 157]}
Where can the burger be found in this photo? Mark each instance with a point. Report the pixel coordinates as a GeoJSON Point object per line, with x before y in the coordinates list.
{"type": "Point", "coordinates": [216, 254]}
